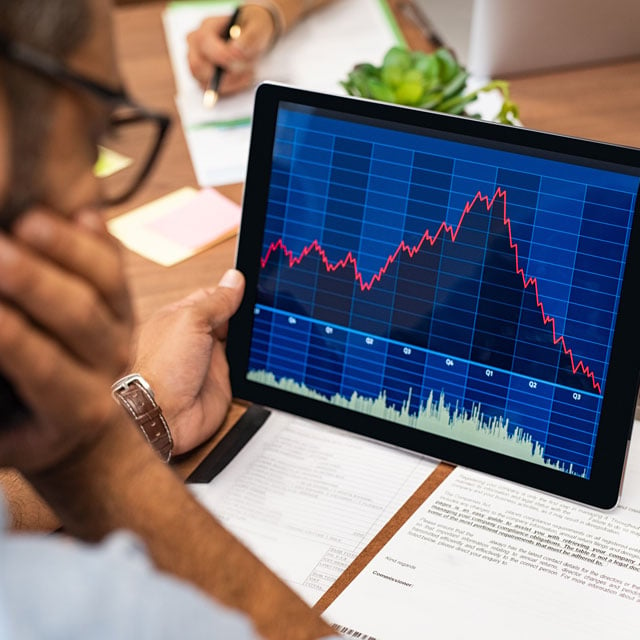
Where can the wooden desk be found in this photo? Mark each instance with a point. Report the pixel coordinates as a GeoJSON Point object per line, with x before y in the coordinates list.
{"type": "Point", "coordinates": [600, 102]}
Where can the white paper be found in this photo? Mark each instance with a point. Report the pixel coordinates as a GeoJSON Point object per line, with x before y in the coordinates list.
{"type": "Point", "coordinates": [316, 54]}
{"type": "Point", "coordinates": [307, 498]}
{"type": "Point", "coordinates": [486, 558]}
{"type": "Point", "coordinates": [219, 154]}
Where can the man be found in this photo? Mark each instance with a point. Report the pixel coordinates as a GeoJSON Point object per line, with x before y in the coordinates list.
{"type": "Point", "coordinates": [65, 334]}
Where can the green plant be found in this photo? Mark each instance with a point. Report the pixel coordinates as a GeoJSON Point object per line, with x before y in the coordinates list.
{"type": "Point", "coordinates": [426, 80]}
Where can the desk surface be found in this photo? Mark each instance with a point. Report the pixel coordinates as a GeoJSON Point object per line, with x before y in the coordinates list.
{"type": "Point", "coordinates": [600, 102]}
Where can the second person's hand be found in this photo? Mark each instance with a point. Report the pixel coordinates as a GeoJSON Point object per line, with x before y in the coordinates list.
{"type": "Point", "coordinates": [209, 49]}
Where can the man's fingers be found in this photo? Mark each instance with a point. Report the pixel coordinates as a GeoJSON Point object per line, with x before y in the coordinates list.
{"type": "Point", "coordinates": [40, 370]}
{"type": "Point", "coordinates": [64, 305]}
{"type": "Point", "coordinates": [234, 280]}
{"type": "Point", "coordinates": [55, 386]}
{"type": "Point", "coordinates": [215, 305]}
{"type": "Point", "coordinates": [80, 249]}
{"type": "Point", "coordinates": [224, 301]}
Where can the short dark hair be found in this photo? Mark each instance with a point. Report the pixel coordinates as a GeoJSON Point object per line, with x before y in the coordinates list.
{"type": "Point", "coordinates": [56, 27]}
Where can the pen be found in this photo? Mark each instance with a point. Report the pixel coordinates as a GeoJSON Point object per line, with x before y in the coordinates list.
{"type": "Point", "coordinates": [231, 32]}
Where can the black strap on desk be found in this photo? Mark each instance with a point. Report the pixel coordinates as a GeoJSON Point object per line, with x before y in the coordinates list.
{"type": "Point", "coordinates": [229, 447]}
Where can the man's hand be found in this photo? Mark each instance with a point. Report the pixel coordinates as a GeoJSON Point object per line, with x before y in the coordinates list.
{"type": "Point", "coordinates": [65, 334]}
{"type": "Point", "coordinates": [208, 48]}
{"type": "Point", "coordinates": [181, 354]}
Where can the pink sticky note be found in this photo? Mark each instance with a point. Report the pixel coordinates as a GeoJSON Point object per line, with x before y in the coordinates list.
{"type": "Point", "coordinates": [205, 218]}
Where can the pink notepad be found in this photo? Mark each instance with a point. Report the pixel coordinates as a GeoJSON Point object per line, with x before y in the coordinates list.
{"type": "Point", "coordinates": [207, 218]}
{"type": "Point", "coordinates": [178, 225]}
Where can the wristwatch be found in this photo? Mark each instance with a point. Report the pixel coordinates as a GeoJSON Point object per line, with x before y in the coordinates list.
{"type": "Point", "coordinates": [136, 396]}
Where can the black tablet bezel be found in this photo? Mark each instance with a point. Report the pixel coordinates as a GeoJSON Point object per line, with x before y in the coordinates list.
{"type": "Point", "coordinates": [603, 487]}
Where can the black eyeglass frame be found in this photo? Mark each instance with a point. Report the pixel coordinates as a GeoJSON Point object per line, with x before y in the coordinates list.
{"type": "Point", "coordinates": [54, 70]}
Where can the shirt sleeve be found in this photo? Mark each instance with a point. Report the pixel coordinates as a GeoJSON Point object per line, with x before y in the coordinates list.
{"type": "Point", "coordinates": [57, 588]}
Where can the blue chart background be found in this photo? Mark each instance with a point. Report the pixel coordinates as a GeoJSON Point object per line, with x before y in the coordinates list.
{"type": "Point", "coordinates": [454, 318]}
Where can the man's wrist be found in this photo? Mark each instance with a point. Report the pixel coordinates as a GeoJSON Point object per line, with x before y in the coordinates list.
{"type": "Point", "coordinates": [112, 472]}
{"type": "Point", "coordinates": [136, 396]}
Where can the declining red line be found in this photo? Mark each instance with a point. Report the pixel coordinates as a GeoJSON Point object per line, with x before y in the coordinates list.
{"type": "Point", "coordinates": [412, 250]}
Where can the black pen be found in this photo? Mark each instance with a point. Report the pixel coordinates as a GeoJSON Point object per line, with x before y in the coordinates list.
{"type": "Point", "coordinates": [231, 32]}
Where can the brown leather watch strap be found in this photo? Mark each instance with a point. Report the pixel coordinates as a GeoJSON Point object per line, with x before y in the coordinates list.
{"type": "Point", "coordinates": [136, 396]}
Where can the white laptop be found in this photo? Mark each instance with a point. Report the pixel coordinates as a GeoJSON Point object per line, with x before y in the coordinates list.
{"type": "Point", "coordinates": [505, 37]}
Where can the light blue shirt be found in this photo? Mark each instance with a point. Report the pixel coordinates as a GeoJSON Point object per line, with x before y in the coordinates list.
{"type": "Point", "coordinates": [55, 588]}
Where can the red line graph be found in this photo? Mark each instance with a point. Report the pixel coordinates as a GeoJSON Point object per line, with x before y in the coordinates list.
{"type": "Point", "coordinates": [403, 247]}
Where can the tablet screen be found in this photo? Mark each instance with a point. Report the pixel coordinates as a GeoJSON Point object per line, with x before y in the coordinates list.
{"type": "Point", "coordinates": [457, 283]}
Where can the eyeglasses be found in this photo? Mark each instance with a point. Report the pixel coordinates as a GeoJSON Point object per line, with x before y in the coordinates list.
{"type": "Point", "coordinates": [134, 134]}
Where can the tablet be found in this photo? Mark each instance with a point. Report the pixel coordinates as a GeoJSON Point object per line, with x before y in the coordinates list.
{"type": "Point", "coordinates": [455, 287]}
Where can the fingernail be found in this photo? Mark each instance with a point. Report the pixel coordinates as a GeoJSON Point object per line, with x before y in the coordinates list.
{"type": "Point", "coordinates": [232, 279]}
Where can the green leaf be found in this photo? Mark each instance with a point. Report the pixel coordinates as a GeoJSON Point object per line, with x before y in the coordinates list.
{"type": "Point", "coordinates": [381, 91]}
{"type": "Point", "coordinates": [409, 93]}
{"type": "Point", "coordinates": [509, 113]}
{"type": "Point", "coordinates": [413, 75]}
{"type": "Point", "coordinates": [358, 84]}
{"type": "Point", "coordinates": [456, 104]}
{"type": "Point", "coordinates": [447, 63]}
{"type": "Point", "coordinates": [392, 75]}
{"type": "Point", "coordinates": [397, 57]}
{"type": "Point", "coordinates": [456, 84]}
{"type": "Point", "coordinates": [427, 65]}
{"type": "Point", "coordinates": [367, 68]}
{"type": "Point", "coordinates": [431, 100]}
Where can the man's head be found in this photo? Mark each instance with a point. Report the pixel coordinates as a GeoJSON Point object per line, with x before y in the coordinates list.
{"type": "Point", "coordinates": [52, 130]}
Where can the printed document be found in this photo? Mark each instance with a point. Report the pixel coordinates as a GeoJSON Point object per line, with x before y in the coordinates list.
{"type": "Point", "coordinates": [306, 498]}
{"type": "Point", "coordinates": [482, 557]}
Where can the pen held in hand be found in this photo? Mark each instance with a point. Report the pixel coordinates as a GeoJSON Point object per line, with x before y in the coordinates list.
{"type": "Point", "coordinates": [231, 32]}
